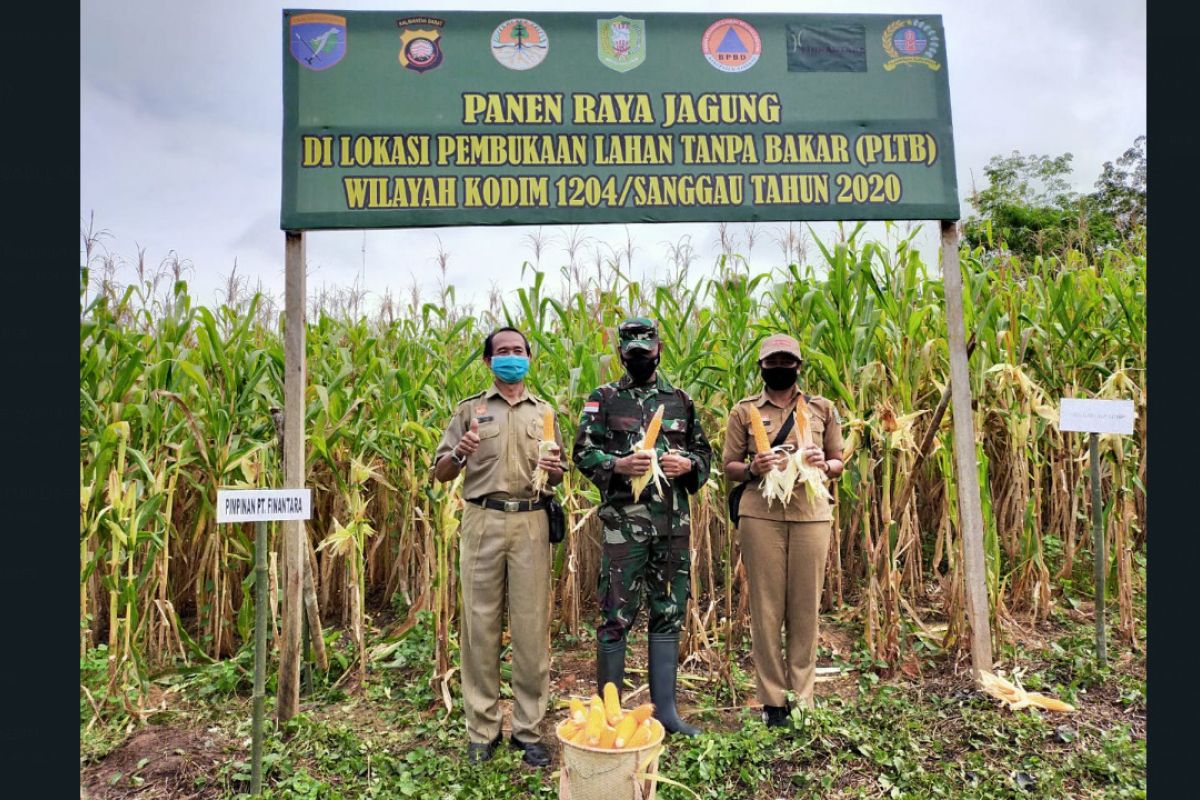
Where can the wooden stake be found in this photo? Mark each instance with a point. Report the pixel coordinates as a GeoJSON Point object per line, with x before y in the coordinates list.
{"type": "Point", "coordinates": [293, 474]}
{"type": "Point", "coordinates": [260, 655]}
{"type": "Point", "coordinates": [1098, 529]}
{"type": "Point", "coordinates": [966, 468]}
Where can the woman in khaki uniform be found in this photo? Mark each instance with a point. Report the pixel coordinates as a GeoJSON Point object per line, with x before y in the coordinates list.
{"type": "Point", "coordinates": [783, 547]}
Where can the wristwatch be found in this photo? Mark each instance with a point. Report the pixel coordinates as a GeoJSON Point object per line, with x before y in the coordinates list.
{"type": "Point", "coordinates": [456, 459]}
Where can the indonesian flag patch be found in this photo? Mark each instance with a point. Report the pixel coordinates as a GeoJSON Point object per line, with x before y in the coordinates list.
{"type": "Point", "coordinates": [591, 407]}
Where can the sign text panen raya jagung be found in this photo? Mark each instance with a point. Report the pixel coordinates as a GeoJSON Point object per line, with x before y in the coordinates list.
{"type": "Point", "coordinates": [857, 136]}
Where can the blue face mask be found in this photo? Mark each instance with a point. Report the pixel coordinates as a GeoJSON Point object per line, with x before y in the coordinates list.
{"type": "Point", "coordinates": [510, 369]}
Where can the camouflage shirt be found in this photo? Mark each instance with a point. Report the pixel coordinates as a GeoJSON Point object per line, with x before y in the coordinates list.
{"type": "Point", "coordinates": [614, 420]}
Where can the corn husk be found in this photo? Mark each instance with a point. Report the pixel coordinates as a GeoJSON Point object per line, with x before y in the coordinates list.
{"type": "Point", "coordinates": [780, 483]}
{"type": "Point", "coordinates": [1015, 696]}
{"type": "Point", "coordinates": [540, 476]}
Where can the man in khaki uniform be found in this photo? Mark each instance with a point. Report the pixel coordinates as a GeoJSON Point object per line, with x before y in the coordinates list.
{"type": "Point", "coordinates": [505, 547]}
{"type": "Point", "coordinates": [784, 548]}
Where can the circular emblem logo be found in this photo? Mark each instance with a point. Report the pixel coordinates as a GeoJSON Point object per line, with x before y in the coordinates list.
{"type": "Point", "coordinates": [422, 53]}
{"type": "Point", "coordinates": [911, 41]}
{"type": "Point", "coordinates": [731, 45]}
{"type": "Point", "coordinates": [520, 43]}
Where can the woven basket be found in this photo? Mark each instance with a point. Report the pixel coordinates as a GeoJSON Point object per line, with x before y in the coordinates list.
{"type": "Point", "coordinates": [591, 773]}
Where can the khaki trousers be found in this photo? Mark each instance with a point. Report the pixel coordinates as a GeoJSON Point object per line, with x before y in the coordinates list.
{"type": "Point", "coordinates": [505, 556]}
{"type": "Point", "coordinates": [785, 566]}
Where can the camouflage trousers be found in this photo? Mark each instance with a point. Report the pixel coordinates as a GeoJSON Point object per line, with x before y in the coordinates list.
{"type": "Point", "coordinates": [637, 569]}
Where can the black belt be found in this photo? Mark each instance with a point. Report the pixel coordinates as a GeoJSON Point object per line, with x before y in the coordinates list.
{"type": "Point", "coordinates": [509, 505]}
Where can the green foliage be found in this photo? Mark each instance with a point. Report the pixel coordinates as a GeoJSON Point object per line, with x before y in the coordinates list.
{"type": "Point", "coordinates": [1029, 208]}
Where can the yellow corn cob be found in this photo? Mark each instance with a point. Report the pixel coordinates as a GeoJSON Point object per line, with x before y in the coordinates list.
{"type": "Point", "coordinates": [1049, 703]}
{"type": "Point", "coordinates": [761, 442]}
{"type": "Point", "coordinates": [568, 729]}
{"type": "Point", "coordinates": [801, 420]}
{"type": "Point", "coordinates": [612, 704]}
{"type": "Point", "coordinates": [640, 736]}
{"type": "Point", "coordinates": [607, 737]}
{"type": "Point", "coordinates": [652, 430]}
{"type": "Point", "coordinates": [642, 712]}
{"type": "Point", "coordinates": [626, 728]}
{"type": "Point", "coordinates": [548, 426]}
{"type": "Point", "coordinates": [595, 721]}
{"type": "Point", "coordinates": [580, 736]}
{"type": "Point", "coordinates": [578, 711]}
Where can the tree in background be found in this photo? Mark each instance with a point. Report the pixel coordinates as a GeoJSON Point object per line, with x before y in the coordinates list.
{"type": "Point", "coordinates": [1029, 209]}
{"type": "Point", "coordinates": [1121, 189]}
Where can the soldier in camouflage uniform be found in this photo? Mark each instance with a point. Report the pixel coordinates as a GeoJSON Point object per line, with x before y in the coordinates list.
{"type": "Point", "coordinates": [646, 543]}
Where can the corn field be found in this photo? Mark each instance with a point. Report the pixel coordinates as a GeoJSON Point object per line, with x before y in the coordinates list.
{"type": "Point", "coordinates": [178, 399]}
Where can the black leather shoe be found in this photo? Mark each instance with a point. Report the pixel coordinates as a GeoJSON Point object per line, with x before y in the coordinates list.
{"type": "Point", "coordinates": [775, 716]}
{"type": "Point", "coordinates": [478, 753]}
{"type": "Point", "coordinates": [536, 754]}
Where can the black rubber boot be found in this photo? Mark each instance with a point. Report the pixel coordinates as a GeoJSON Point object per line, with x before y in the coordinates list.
{"type": "Point", "coordinates": [664, 665]}
{"type": "Point", "coordinates": [610, 665]}
{"type": "Point", "coordinates": [775, 716]}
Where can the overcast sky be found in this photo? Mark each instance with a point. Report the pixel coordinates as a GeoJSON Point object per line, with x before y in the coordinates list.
{"type": "Point", "coordinates": [181, 118]}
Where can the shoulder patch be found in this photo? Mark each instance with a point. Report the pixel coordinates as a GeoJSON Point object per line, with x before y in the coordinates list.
{"type": "Point", "coordinates": [591, 407]}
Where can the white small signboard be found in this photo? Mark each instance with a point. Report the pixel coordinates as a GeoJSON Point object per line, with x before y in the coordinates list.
{"type": "Point", "coordinates": [1096, 416]}
{"type": "Point", "coordinates": [263, 505]}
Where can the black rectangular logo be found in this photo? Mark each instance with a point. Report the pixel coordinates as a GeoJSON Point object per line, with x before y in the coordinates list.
{"type": "Point", "coordinates": [826, 48]}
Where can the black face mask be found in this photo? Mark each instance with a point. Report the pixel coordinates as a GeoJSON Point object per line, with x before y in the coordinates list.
{"type": "Point", "coordinates": [641, 367]}
{"type": "Point", "coordinates": [778, 378]}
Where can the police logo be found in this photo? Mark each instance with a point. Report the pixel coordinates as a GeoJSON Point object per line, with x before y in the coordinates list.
{"type": "Point", "coordinates": [420, 49]}
{"type": "Point", "coordinates": [317, 41]}
{"type": "Point", "coordinates": [911, 41]}
{"type": "Point", "coordinates": [520, 44]}
{"type": "Point", "coordinates": [621, 42]}
{"type": "Point", "coordinates": [731, 45]}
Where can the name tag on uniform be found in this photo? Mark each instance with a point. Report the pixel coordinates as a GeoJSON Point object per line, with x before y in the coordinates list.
{"type": "Point", "coordinates": [767, 422]}
{"type": "Point", "coordinates": [485, 418]}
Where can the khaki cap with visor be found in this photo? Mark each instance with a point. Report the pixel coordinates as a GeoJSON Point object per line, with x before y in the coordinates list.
{"type": "Point", "coordinates": [779, 343]}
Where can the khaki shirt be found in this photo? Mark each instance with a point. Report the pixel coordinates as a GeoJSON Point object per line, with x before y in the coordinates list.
{"type": "Point", "coordinates": [509, 434]}
{"type": "Point", "coordinates": [825, 431]}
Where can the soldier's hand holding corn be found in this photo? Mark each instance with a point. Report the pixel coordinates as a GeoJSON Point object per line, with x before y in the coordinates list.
{"type": "Point", "coordinates": [673, 465]}
{"type": "Point", "coordinates": [633, 465]}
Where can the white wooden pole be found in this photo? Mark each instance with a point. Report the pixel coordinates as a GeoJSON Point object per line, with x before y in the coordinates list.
{"type": "Point", "coordinates": [293, 474]}
{"type": "Point", "coordinates": [966, 468]}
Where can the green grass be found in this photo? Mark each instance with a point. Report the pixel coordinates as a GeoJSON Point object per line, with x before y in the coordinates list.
{"type": "Point", "coordinates": [877, 737]}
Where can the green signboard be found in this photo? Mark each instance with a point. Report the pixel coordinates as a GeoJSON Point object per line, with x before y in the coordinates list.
{"type": "Point", "coordinates": [470, 118]}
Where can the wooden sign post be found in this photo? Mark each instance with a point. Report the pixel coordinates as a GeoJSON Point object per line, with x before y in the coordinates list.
{"type": "Point", "coordinates": [966, 468]}
{"type": "Point", "coordinates": [261, 506]}
{"type": "Point", "coordinates": [1095, 417]}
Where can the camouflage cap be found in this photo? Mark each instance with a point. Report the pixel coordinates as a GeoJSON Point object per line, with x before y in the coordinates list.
{"type": "Point", "coordinates": [637, 333]}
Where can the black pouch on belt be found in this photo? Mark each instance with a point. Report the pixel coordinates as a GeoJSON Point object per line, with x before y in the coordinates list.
{"type": "Point", "coordinates": [558, 520]}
